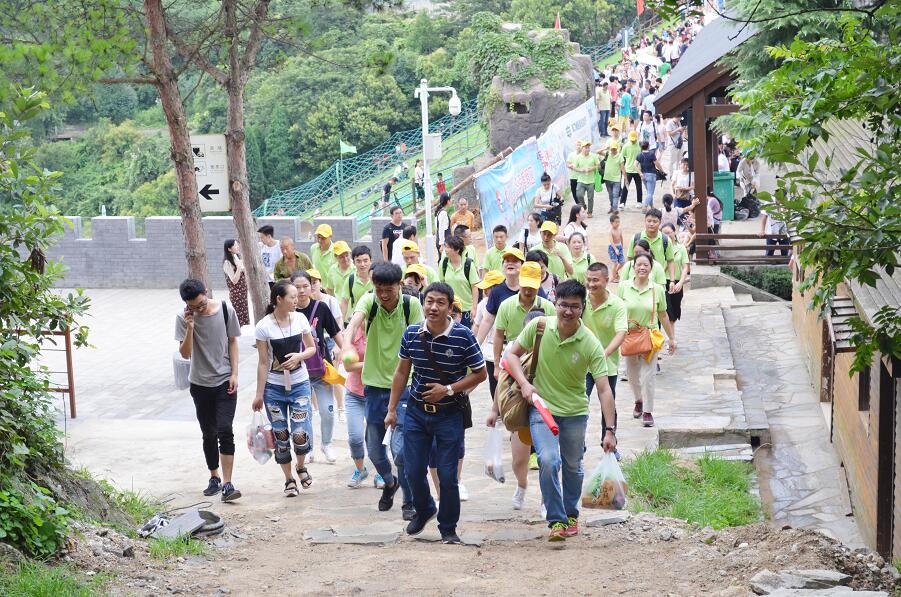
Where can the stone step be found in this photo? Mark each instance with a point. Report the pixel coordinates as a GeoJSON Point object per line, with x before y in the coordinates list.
{"type": "Point", "coordinates": [742, 452]}
{"type": "Point", "coordinates": [743, 298]}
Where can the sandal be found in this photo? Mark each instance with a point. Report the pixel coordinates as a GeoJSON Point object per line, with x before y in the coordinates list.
{"type": "Point", "coordinates": [291, 488]}
{"type": "Point", "coordinates": [304, 476]}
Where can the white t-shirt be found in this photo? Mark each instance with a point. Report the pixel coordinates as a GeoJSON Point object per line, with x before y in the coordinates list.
{"type": "Point", "coordinates": [418, 175]}
{"type": "Point", "coordinates": [397, 255]}
{"type": "Point", "coordinates": [488, 344]}
{"type": "Point", "coordinates": [546, 196]}
{"type": "Point", "coordinates": [573, 227]}
{"type": "Point", "coordinates": [334, 305]}
{"type": "Point", "coordinates": [442, 224]}
{"type": "Point", "coordinates": [681, 179]}
{"type": "Point", "coordinates": [283, 341]}
{"type": "Point", "coordinates": [773, 226]}
{"type": "Point", "coordinates": [270, 255]}
{"type": "Point", "coordinates": [722, 163]}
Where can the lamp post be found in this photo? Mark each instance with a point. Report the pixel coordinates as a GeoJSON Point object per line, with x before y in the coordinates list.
{"type": "Point", "coordinates": [454, 107]}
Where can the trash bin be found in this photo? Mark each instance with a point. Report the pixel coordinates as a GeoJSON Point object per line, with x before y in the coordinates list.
{"type": "Point", "coordinates": [724, 188]}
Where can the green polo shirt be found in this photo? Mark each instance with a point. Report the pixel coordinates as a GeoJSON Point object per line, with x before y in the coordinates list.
{"type": "Point", "coordinates": [580, 267]}
{"type": "Point", "coordinates": [656, 247]}
{"type": "Point", "coordinates": [455, 277]}
{"type": "Point", "coordinates": [562, 366]}
{"type": "Point", "coordinates": [639, 303]}
{"type": "Point", "coordinates": [630, 151]}
{"type": "Point", "coordinates": [592, 160]}
{"type": "Point", "coordinates": [510, 315]}
{"type": "Point", "coordinates": [555, 264]}
{"type": "Point", "coordinates": [383, 339]}
{"type": "Point", "coordinates": [570, 160]}
{"type": "Point", "coordinates": [494, 259]}
{"type": "Point", "coordinates": [325, 262]}
{"type": "Point", "coordinates": [680, 258]}
{"type": "Point", "coordinates": [301, 262]}
{"type": "Point", "coordinates": [612, 171]}
{"type": "Point", "coordinates": [338, 279]}
{"type": "Point", "coordinates": [470, 251]}
{"type": "Point", "coordinates": [658, 274]}
{"type": "Point", "coordinates": [606, 321]}
{"type": "Point", "coordinates": [360, 289]}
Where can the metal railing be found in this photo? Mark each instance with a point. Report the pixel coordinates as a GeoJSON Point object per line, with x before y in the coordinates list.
{"type": "Point", "coordinates": [716, 249]}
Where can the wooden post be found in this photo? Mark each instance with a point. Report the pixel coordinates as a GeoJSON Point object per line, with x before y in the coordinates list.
{"type": "Point", "coordinates": [70, 373]}
{"type": "Point", "coordinates": [698, 131]}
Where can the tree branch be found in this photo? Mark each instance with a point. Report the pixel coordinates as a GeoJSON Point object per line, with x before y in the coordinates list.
{"type": "Point", "coordinates": [193, 56]}
{"type": "Point", "coordinates": [254, 40]}
{"type": "Point", "coordinates": [128, 80]}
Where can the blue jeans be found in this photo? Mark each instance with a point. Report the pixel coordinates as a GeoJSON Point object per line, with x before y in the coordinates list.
{"type": "Point", "coordinates": [376, 409]}
{"type": "Point", "coordinates": [589, 387]}
{"type": "Point", "coordinates": [325, 397]}
{"type": "Point", "coordinates": [420, 430]}
{"type": "Point", "coordinates": [289, 406]}
{"type": "Point", "coordinates": [555, 453]}
{"type": "Point", "coordinates": [613, 191]}
{"type": "Point", "coordinates": [356, 424]}
{"type": "Point", "coordinates": [603, 120]}
{"type": "Point", "coordinates": [650, 183]}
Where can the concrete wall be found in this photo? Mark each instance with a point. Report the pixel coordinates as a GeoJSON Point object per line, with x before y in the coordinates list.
{"type": "Point", "coordinates": [114, 257]}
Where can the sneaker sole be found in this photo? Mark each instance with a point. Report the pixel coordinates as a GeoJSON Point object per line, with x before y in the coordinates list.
{"type": "Point", "coordinates": [556, 538]}
{"type": "Point", "coordinates": [428, 518]}
{"type": "Point", "coordinates": [232, 496]}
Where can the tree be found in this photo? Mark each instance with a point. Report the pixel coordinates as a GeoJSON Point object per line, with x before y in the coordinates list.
{"type": "Point", "coordinates": [279, 154]}
{"type": "Point", "coordinates": [256, 170]}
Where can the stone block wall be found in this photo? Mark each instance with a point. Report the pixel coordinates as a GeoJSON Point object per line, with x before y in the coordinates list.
{"type": "Point", "coordinates": [114, 257]}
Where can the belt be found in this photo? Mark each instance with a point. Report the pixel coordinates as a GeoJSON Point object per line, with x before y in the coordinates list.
{"type": "Point", "coordinates": [434, 407]}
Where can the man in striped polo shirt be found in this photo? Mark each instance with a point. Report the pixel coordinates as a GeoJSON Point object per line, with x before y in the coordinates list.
{"type": "Point", "coordinates": [439, 351]}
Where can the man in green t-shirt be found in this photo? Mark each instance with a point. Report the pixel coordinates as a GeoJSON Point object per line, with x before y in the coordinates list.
{"type": "Point", "coordinates": [568, 352]}
{"type": "Point", "coordinates": [661, 248]}
{"type": "Point", "coordinates": [494, 256]}
{"type": "Point", "coordinates": [344, 267]}
{"type": "Point", "coordinates": [585, 164]}
{"type": "Point", "coordinates": [410, 252]}
{"type": "Point", "coordinates": [384, 315]}
{"type": "Point", "coordinates": [558, 255]}
{"type": "Point", "coordinates": [614, 174]}
{"type": "Point", "coordinates": [631, 149]}
{"type": "Point", "coordinates": [359, 282]}
{"type": "Point", "coordinates": [323, 256]}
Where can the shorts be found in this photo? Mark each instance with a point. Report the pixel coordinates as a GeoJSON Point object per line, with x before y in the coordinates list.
{"type": "Point", "coordinates": [612, 251]}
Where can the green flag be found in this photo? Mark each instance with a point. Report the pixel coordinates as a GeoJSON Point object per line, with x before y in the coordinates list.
{"type": "Point", "coordinates": [345, 148]}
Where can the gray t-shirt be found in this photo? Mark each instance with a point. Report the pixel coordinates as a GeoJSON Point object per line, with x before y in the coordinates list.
{"type": "Point", "coordinates": [210, 365]}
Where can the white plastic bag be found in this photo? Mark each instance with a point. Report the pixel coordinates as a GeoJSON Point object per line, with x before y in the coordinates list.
{"type": "Point", "coordinates": [494, 454]}
{"type": "Point", "coordinates": [606, 487]}
{"type": "Point", "coordinates": [181, 367]}
{"type": "Point", "coordinates": [258, 441]}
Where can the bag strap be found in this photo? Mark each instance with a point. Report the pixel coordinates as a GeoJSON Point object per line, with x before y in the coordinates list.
{"type": "Point", "coordinates": [467, 267]}
{"type": "Point", "coordinates": [225, 315]}
{"type": "Point", "coordinates": [426, 347]}
{"type": "Point", "coordinates": [406, 306]}
{"type": "Point", "coordinates": [350, 288]}
{"type": "Point", "coordinates": [373, 311]}
{"type": "Point", "coordinates": [539, 333]}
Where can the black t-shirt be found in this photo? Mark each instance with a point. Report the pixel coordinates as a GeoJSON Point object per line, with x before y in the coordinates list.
{"type": "Point", "coordinates": [646, 159]}
{"type": "Point", "coordinates": [321, 322]}
{"type": "Point", "coordinates": [392, 233]}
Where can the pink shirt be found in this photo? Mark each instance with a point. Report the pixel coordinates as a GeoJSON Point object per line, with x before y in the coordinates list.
{"type": "Point", "coordinates": [354, 381]}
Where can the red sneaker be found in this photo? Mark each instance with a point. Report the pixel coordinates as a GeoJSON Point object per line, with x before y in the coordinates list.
{"type": "Point", "coordinates": [647, 420]}
{"type": "Point", "coordinates": [572, 527]}
{"type": "Point", "coordinates": [639, 408]}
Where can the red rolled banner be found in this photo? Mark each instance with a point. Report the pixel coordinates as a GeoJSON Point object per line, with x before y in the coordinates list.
{"type": "Point", "coordinates": [546, 415]}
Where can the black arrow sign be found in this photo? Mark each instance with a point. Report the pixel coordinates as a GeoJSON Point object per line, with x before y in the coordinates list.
{"type": "Point", "coordinates": [206, 191]}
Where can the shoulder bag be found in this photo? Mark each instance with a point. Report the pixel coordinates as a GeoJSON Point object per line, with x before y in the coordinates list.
{"type": "Point", "coordinates": [638, 338]}
{"type": "Point", "coordinates": [462, 397]}
{"type": "Point", "coordinates": [513, 408]}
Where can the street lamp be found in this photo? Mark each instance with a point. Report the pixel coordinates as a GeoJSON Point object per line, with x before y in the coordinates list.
{"type": "Point", "coordinates": [454, 107]}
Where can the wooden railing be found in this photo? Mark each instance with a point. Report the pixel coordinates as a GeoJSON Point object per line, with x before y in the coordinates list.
{"type": "Point", "coordinates": [69, 388]}
{"type": "Point", "coordinates": [716, 249]}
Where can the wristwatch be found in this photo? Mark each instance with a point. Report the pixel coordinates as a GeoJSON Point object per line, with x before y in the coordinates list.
{"type": "Point", "coordinates": [611, 430]}
{"type": "Point", "coordinates": [450, 391]}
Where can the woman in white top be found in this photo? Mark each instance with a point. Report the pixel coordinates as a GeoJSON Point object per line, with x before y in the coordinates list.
{"type": "Point", "coordinates": [236, 280]}
{"type": "Point", "coordinates": [284, 342]}
{"type": "Point", "coordinates": [682, 185]}
{"type": "Point", "coordinates": [576, 221]}
{"type": "Point", "coordinates": [442, 221]}
{"type": "Point", "coordinates": [530, 236]}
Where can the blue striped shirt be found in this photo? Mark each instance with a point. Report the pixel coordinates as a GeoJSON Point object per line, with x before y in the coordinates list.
{"type": "Point", "coordinates": [454, 350]}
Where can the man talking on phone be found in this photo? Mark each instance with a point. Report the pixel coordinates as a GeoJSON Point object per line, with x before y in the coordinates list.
{"type": "Point", "coordinates": [207, 332]}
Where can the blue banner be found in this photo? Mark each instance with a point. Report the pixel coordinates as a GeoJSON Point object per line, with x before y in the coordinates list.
{"type": "Point", "coordinates": [507, 189]}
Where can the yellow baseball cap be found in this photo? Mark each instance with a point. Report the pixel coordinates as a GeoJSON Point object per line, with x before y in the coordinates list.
{"type": "Point", "coordinates": [314, 273]}
{"type": "Point", "coordinates": [549, 226]}
{"type": "Point", "coordinates": [340, 247]}
{"type": "Point", "coordinates": [324, 230]}
{"type": "Point", "coordinates": [613, 145]}
{"type": "Point", "coordinates": [530, 275]}
{"type": "Point", "coordinates": [418, 269]}
{"type": "Point", "coordinates": [515, 253]}
{"type": "Point", "coordinates": [491, 278]}
{"type": "Point", "coordinates": [633, 136]}
{"type": "Point", "coordinates": [409, 245]}
{"type": "Point", "coordinates": [614, 127]}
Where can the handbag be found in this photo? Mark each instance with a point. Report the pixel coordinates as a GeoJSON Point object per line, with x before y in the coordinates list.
{"type": "Point", "coordinates": [513, 408]}
{"type": "Point", "coordinates": [462, 398]}
{"type": "Point", "coordinates": [638, 338]}
{"type": "Point", "coordinates": [315, 363]}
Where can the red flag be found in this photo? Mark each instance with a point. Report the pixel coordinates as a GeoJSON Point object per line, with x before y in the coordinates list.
{"type": "Point", "coordinates": [557, 22]}
{"type": "Point", "coordinates": [640, 7]}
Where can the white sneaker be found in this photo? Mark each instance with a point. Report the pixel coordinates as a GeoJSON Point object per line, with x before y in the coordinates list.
{"type": "Point", "coordinates": [519, 497]}
{"type": "Point", "coordinates": [341, 418]}
{"type": "Point", "coordinates": [543, 511]}
{"type": "Point", "coordinates": [464, 495]}
{"type": "Point", "coordinates": [328, 453]}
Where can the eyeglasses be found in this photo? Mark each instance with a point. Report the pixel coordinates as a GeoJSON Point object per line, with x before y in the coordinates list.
{"type": "Point", "coordinates": [569, 307]}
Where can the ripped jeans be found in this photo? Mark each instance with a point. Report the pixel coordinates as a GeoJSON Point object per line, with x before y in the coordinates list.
{"type": "Point", "coordinates": [289, 406]}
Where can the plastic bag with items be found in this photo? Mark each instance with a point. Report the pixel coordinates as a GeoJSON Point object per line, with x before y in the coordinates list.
{"type": "Point", "coordinates": [494, 454]}
{"type": "Point", "coordinates": [181, 367]}
{"type": "Point", "coordinates": [606, 487]}
{"type": "Point", "coordinates": [260, 441]}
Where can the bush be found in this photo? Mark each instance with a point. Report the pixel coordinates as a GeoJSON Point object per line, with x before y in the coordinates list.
{"type": "Point", "coordinates": [775, 280]}
{"type": "Point", "coordinates": [32, 579]}
{"type": "Point", "coordinates": [31, 520]}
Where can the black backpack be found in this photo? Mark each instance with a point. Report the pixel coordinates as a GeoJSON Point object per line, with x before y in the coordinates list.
{"type": "Point", "coordinates": [467, 266]}
{"type": "Point", "coordinates": [665, 241]}
{"type": "Point", "coordinates": [374, 309]}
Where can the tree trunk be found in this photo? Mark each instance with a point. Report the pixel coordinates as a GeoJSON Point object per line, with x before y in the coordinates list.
{"type": "Point", "coordinates": [180, 139]}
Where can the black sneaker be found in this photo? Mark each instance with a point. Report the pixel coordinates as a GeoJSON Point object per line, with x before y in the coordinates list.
{"type": "Point", "coordinates": [387, 499]}
{"type": "Point", "coordinates": [450, 538]}
{"type": "Point", "coordinates": [419, 521]}
{"type": "Point", "coordinates": [214, 487]}
{"type": "Point", "coordinates": [408, 511]}
{"type": "Point", "coordinates": [229, 493]}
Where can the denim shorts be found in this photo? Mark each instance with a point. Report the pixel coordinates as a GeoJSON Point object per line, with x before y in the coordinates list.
{"type": "Point", "coordinates": [621, 258]}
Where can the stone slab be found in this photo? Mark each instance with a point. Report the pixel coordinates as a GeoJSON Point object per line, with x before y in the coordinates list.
{"type": "Point", "coordinates": [685, 435]}
{"type": "Point", "coordinates": [607, 517]}
{"type": "Point", "coordinates": [821, 578]}
{"type": "Point", "coordinates": [329, 536]}
{"type": "Point", "coordinates": [515, 534]}
{"type": "Point", "coordinates": [833, 592]}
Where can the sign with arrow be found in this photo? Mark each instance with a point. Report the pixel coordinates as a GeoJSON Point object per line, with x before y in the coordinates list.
{"type": "Point", "coordinates": [211, 170]}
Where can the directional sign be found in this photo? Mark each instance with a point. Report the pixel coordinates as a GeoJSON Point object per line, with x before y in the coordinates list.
{"type": "Point", "coordinates": [211, 170]}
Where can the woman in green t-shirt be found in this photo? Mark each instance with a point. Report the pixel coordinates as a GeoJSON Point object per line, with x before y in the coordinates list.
{"type": "Point", "coordinates": [645, 307]}
{"type": "Point", "coordinates": [681, 261]}
{"type": "Point", "coordinates": [581, 258]}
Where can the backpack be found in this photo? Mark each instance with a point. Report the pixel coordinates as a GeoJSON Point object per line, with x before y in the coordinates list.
{"type": "Point", "coordinates": [315, 364]}
{"type": "Point", "coordinates": [665, 241]}
{"type": "Point", "coordinates": [374, 309]}
{"type": "Point", "coordinates": [512, 407]}
{"type": "Point", "coordinates": [467, 267]}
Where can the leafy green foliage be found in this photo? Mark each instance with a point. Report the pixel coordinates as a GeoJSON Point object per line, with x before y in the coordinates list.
{"type": "Point", "coordinates": [33, 579]}
{"type": "Point", "coordinates": [139, 505]}
{"type": "Point", "coordinates": [845, 205]}
{"type": "Point", "coordinates": [711, 492]}
{"type": "Point", "coordinates": [590, 22]}
{"type": "Point", "coordinates": [29, 517]}
{"type": "Point", "coordinates": [775, 280]}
